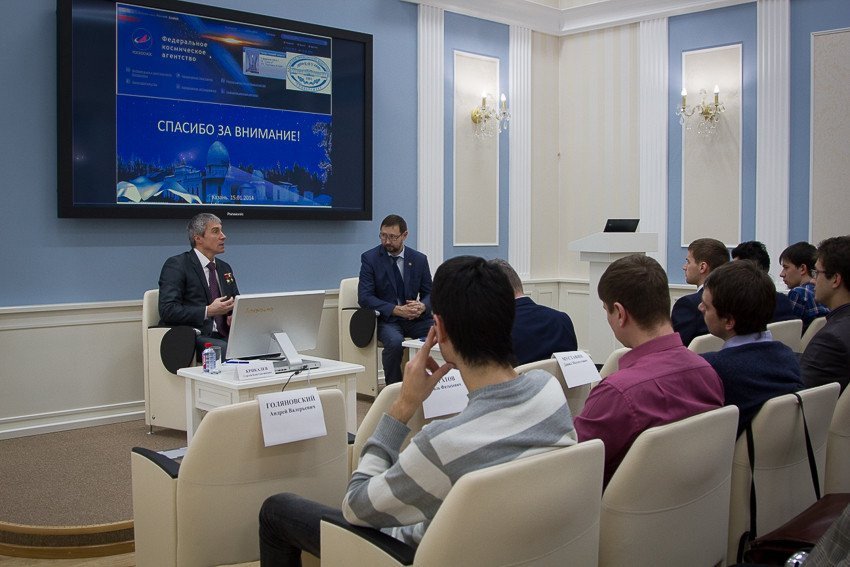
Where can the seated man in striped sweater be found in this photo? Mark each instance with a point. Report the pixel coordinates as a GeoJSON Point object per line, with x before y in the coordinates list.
{"type": "Point", "coordinates": [508, 416]}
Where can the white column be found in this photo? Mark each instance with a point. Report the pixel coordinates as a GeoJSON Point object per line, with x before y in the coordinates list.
{"type": "Point", "coordinates": [431, 135]}
{"type": "Point", "coordinates": [773, 127]}
{"type": "Point", "coordinates": [654, 118]}
{"type": "Point", "coordinates": [519, 193]}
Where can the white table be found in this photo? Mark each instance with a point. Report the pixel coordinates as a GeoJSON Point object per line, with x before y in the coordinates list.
{"type": "Point", "coordinates": [209, 391]}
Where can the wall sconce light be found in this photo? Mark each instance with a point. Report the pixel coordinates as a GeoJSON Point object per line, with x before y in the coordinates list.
{"type": "Point", "coordinates": [488, 121]}
{"type": "Point", "coordinates": [707, 114]}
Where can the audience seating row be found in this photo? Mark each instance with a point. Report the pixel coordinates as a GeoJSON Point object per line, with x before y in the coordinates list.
{"type": "Point", "coordinates": [786, 332]}
{"type": "Point", "coordinates": [680, 497]}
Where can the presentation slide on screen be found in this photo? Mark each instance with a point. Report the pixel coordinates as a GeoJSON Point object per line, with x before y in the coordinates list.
{"type": "Point", "coordinates": [214, 112]}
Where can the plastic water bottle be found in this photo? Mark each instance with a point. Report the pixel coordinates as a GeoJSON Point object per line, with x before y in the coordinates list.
{"type": "Point", "coordinates": [209, 359]}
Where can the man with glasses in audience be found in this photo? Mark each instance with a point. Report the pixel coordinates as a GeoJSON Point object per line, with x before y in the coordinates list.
{"type": "Point", "coordinates": [395, 281]}
{"type": "Point", "coordinates": [827, 357]}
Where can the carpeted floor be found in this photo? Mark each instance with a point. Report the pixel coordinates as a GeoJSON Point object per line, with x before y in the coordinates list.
{"type": "Point", "coordinates": [77, 477]}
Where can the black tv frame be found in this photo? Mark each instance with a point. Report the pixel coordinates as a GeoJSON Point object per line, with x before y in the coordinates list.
{"type": "Point", "coordinates": [67, 208]}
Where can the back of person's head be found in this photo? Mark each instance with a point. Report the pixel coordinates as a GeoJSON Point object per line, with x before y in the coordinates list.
{"type": "Point", "coordinates": [476, 304]}
{"type": "Point", "coordinates": [198, 225]}
{"type": "Point", "coordinates": [754, 251]}
{"type": "Point", "coordinates": [834, 256]}
{"type": "Point", "coordinates": [800, 254]}
{"type": "Point", "coordinates": [743, 291]}
{"type": "Point", "coordinates": [395, 220]}
{"type": "Point", "coordinates": [639, 284]}
{"type": "Point", "coordinates": [709, 250]}
{"type": "Point", "coordinates": [507, 269]}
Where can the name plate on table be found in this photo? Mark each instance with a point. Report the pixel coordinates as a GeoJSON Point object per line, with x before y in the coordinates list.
{"type": "Point", "coordinates": [449, 396]}
{"type": "Point", "coordinates": [578, 368]}
{"type": "Point", "coordinates": [291, 416]}
{"type": "Point", "coordinates": [250, 370]}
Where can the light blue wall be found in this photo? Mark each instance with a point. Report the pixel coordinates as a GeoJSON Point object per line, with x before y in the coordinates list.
{"type": "Point", "coordinates": [701, 30]}
{"type": "Point", "coordinates": [807, 17]}
{"type": "Point", "coordinates": [48, 260]}
{"type": "Point", "coordinates": [481, 37]}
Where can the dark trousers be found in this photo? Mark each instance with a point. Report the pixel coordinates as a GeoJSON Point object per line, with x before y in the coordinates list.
{"type": "Point", "coordinates": [391, 334]}
{"type": "Point", "coordinates": [216, 339]}
{"type": "Point", "coordinates": [288, 525]}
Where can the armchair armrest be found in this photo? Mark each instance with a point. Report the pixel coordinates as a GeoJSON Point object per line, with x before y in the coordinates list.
{"type": "Point", "coordinates": [154, 480]}
{"type": "Point", "coordinates": [168, 465]}
{"type": "Point", "coordinates": [344, 544]}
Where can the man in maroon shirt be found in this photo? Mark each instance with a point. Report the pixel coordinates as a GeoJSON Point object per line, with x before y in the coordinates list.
{"type": "Point", "coordinates": [659, 380]}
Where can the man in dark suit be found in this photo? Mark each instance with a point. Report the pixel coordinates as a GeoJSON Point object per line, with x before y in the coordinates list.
{"type": "Point", "coordinates": [538, 331]}
{"type": "Point", "coordinates": [755, 251]}
{"type": "Point", "coordinates": [704, 255]}
{"type": "Point", "coordinates": [395, 281]}
{"type": "Point", "coordinates": [197, 290]}
{"type": "Point", "coordinates": [827, 357]}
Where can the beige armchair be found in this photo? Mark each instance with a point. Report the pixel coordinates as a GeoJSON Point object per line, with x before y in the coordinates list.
{"type": "Point", "coordinates": [668, 501]}
{"type": "Point", "coordinates": [366, 354]}
{"type": "Point", "coordinates": [838, 447]}
{"type": "Point", "coordinates": [612, 363]}
{"type": "Point", "coordinates": [205, 511]}
{"type": "Point", "coordinates": [787, 333]}
{"type": "Point", "coordinates": [539, 510]}
{"type": "Point", "coordinates": [783, 479]}
{"type": "Point", "coordinates": [165, 392]}
{"type": "Point", "coordinates": [706, 343]}
{"type": "Point", "coordinates": [815, 326]}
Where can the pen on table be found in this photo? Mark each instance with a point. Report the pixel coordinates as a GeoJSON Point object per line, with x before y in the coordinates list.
{"type": "Point", "coordinates": [234, 361]}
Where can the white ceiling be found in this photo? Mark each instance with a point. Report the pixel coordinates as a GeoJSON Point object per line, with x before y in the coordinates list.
{"type": "Point", "coordinates": [564, 17]}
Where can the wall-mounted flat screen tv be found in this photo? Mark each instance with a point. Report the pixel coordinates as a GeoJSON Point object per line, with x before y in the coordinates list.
{"type": "Point", "coordinates": [170, 108]}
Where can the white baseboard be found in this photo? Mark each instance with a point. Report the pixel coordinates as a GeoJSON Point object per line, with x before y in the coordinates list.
{"type": "Point", "coordinates": [36, 424]}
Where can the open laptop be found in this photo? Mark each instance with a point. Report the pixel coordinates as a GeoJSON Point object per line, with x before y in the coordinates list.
{"type": "Point", "coordinates": [621, 225]}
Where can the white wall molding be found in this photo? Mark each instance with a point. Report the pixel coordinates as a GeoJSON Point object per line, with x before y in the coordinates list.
{"type": "Point", "coordinates": [654, 118]}
{"type": "Point", "coordinates": [575, 16]}
{"type": "Point", "coordinates": [773, 144]}
{"type": "Point", "coordinates": [430, 153]}
{"type": "Point", "coordinates": [519, 136]}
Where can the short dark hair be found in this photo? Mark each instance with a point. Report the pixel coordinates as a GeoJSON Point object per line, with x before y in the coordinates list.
{"type": "Point", "coordinates": [198, 225]}
{"type": "Point", "coordinates": [639, 284]}
{"type": "Point", "coordinates": [709, 250]}
{"type": "Point", "coordinates": [476, 304]}
{"type": "Point", "coordinates": [513, 277]}
{"type": "Point", "coordinates": [744, 291]}
{"type": "Point", "coordinates": [800, 254]}
{"type": "Point", "coordinates": [754, 251]}
{"type": "Point", "coordinates": [395, 220]}
{"type": "Point", "coordinates": [834, 254]}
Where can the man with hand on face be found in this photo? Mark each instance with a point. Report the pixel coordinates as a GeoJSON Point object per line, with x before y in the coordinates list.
{"type": "Point", "coordinates": [508, 417]}
{"type": "Point", "coordinates": [798, 261]}
{"type": "Point", "coordinates": [197, 290]}
{"type": "Point", "coordinates": [395, 281]}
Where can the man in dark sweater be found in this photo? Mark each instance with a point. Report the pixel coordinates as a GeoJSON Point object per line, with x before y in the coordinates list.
{"type": "Point", "coordinates": [738, 300]}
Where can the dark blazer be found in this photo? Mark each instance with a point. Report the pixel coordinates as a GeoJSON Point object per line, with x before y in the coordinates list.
{"type": "Point", "coordinates": [540, 331]}
{"type": "Point", "coordinates": [184, 293]}
{"type": "Point", "coordinates": [784, 311]}
{"type": "Point", "coordinates": [687, 318]}
{"type": "Point", "coordinates": [827, 357]}
{"type": "Point", "coordinates": [376, 289]}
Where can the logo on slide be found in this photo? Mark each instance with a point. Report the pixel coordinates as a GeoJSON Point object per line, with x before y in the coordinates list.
{"type": "Point", "coordinates": [142, 39]}
{"type": "Point", "coordinates": [307, 73]}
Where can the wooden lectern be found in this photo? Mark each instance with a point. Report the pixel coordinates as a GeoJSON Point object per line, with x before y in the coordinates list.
{"type": "Point", "coordinates": [600, 250]}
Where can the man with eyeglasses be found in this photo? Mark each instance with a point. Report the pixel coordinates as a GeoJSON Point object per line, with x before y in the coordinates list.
{"type": "Point", "coordinates": [395, 281]}
{"type": "Point", "coordinates": [827, 358]}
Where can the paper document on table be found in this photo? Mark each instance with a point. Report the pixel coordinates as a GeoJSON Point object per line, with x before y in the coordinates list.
{"type": "Point", "coordinates": [578, 368]}
{"type": "Point", "coordinates": [291, 416]}
{"type": "Point", "coordinates": [449, 396]}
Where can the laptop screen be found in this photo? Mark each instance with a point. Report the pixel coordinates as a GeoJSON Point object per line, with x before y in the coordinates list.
{"type": "Point", "coordinates": [621, 225]}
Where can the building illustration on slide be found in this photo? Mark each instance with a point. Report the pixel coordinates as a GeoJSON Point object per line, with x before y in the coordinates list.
{"type": "Point", "coordinates": [218, 182]}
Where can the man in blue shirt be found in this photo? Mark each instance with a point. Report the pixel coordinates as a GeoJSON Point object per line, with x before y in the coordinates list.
{"type": "Point", "coordinates": [798, 261]}
{"type": "Point", "coordinates": [737, 304]}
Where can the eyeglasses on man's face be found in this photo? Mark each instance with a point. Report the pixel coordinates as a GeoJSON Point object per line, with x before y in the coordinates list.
{"type": "Point", "coordinates": [390, 237]}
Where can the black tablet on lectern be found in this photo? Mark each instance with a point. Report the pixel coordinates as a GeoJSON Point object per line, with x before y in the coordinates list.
{"type": "Point", "coordinates": [621, 225]}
